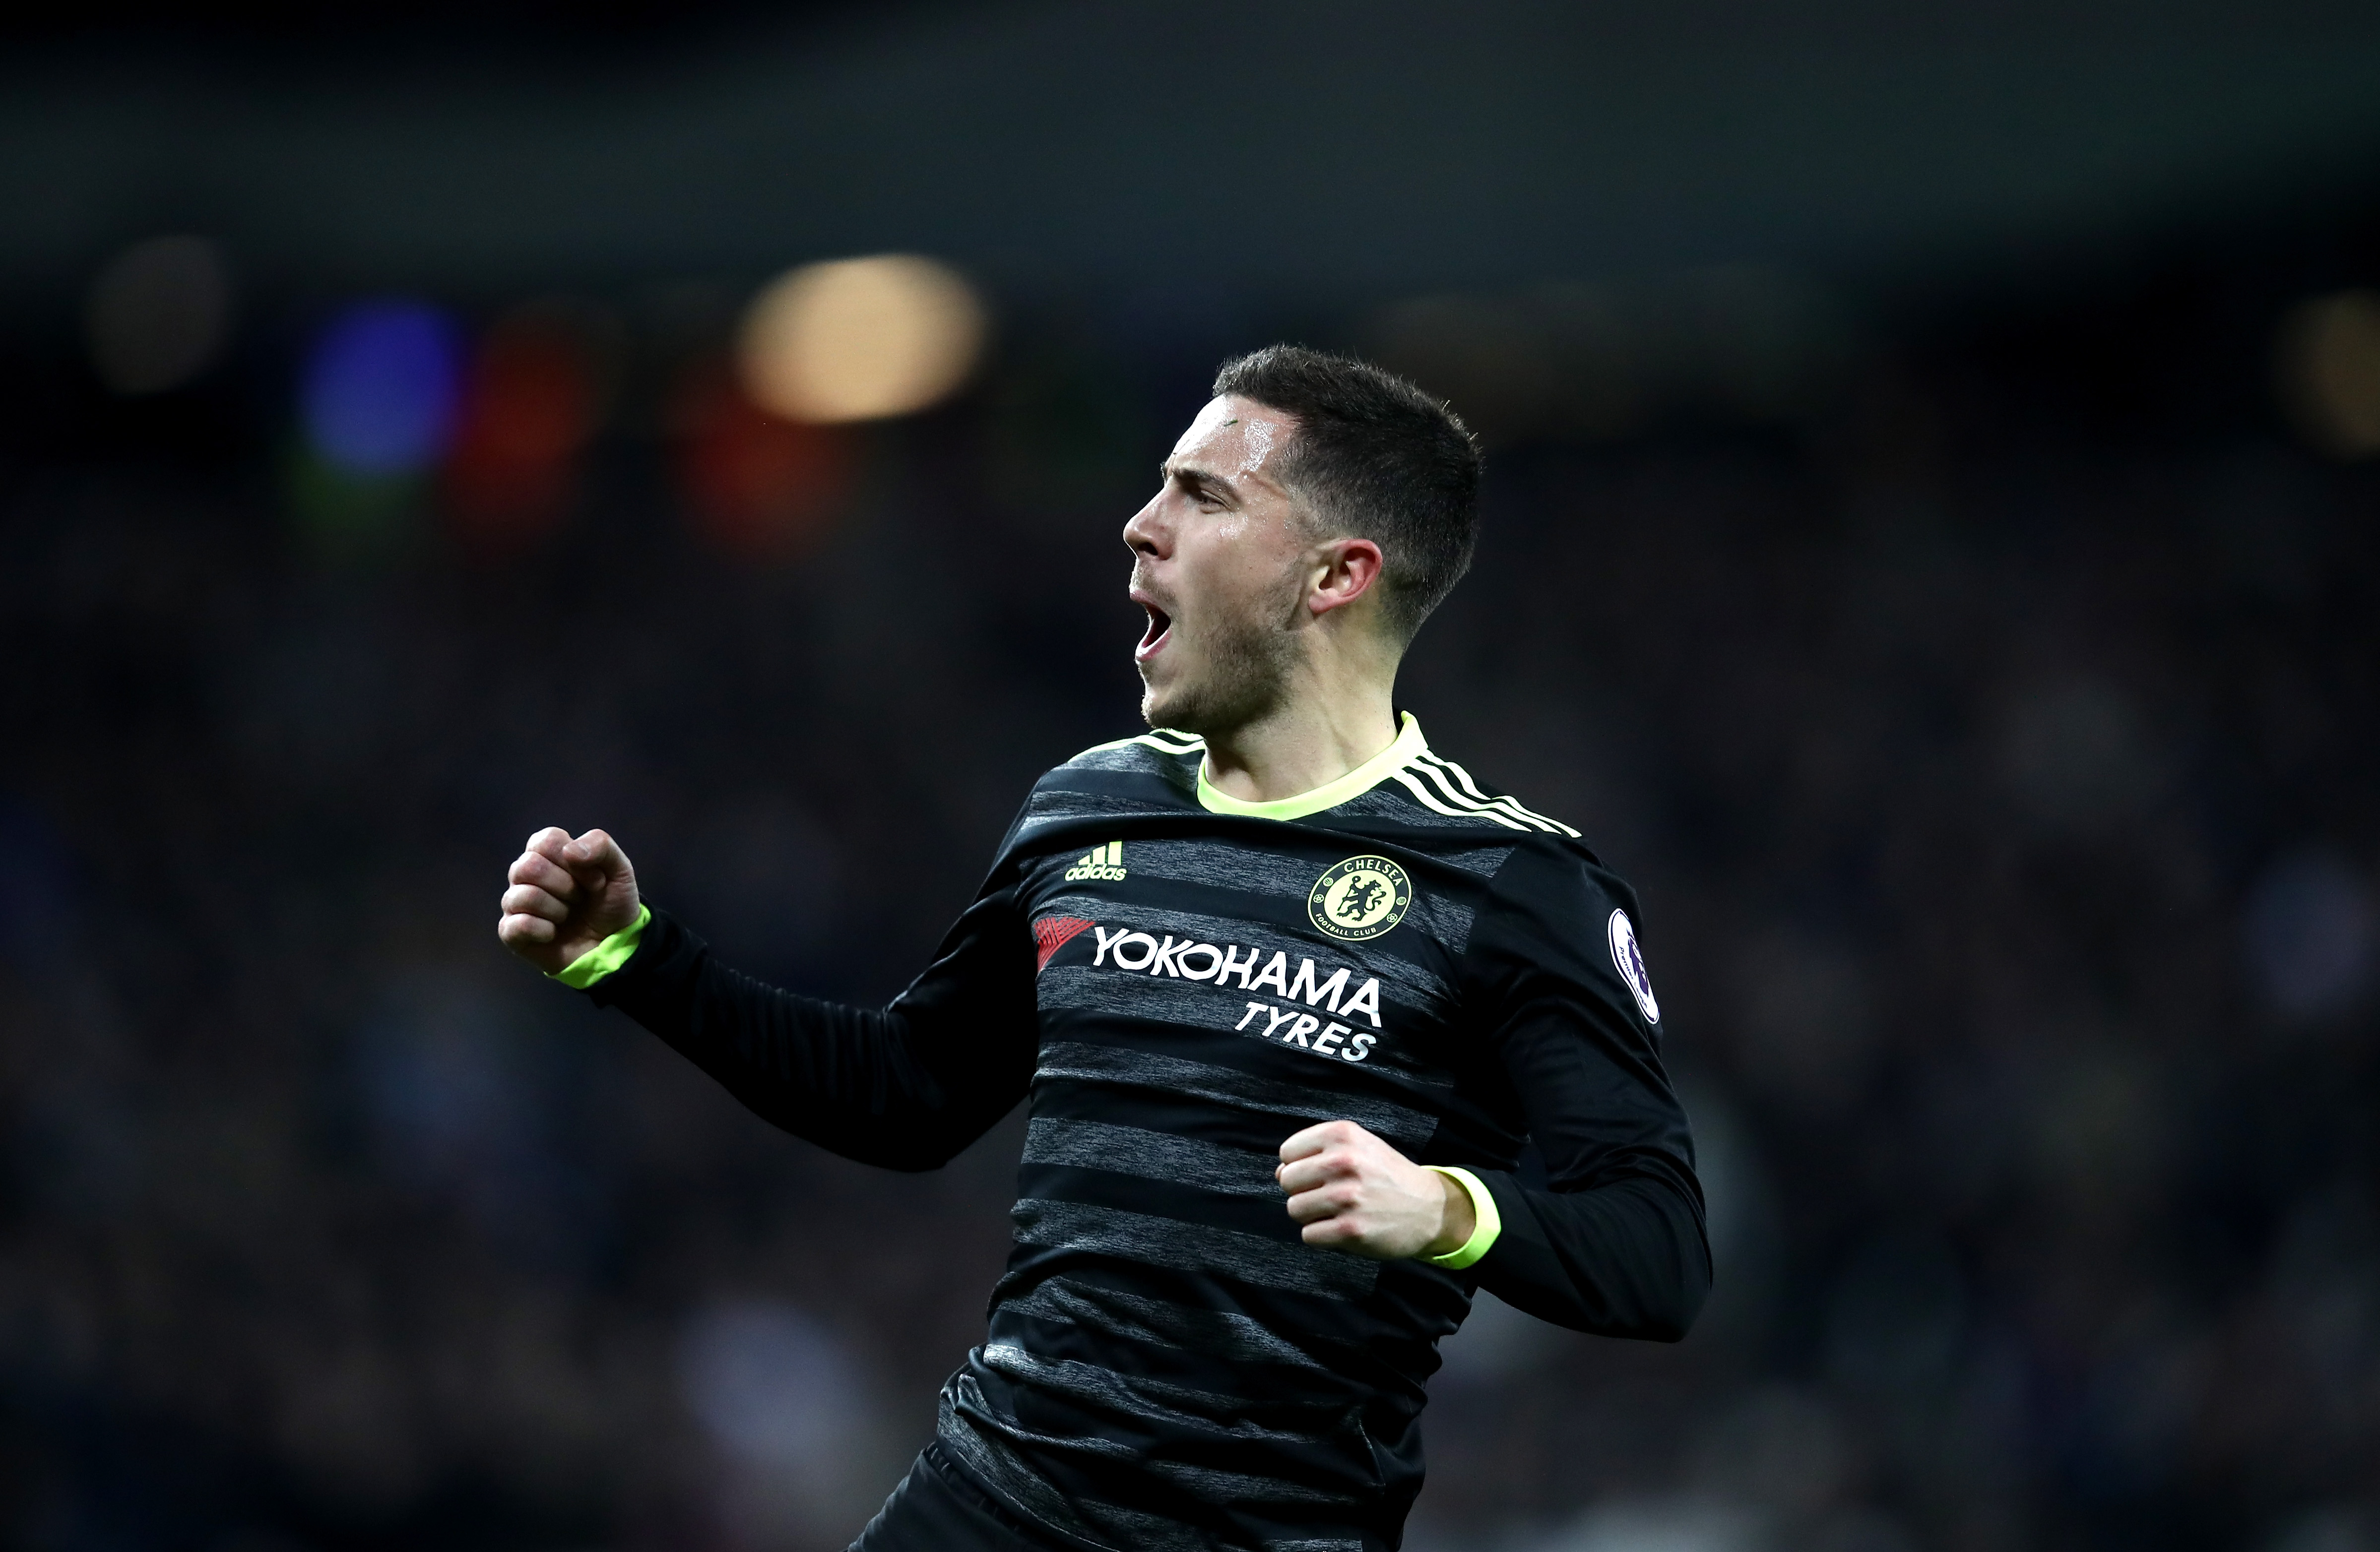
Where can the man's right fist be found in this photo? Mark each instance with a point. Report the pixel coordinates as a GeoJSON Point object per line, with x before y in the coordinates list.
{"type": "Point", "coordinates": [565, 896]}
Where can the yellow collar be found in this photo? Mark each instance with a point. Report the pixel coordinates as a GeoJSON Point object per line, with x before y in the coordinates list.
{"type": "Point", "coordinates": [1410, 743]}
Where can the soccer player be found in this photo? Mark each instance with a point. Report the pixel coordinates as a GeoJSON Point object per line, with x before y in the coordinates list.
{"type": "Point", "coordinates": [1288, 992]}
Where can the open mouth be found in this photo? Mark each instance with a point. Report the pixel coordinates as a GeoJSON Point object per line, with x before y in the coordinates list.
{"type": "Point", "coordinates": [1161, 625]}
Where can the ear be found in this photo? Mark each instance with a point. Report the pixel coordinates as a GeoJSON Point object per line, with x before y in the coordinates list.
{"type": "Point", "coordinates": [1345, 570]}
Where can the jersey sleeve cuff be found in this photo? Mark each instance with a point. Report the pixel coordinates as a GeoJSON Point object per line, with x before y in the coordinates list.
{"type": "Point", "coordinates": [1488, 1223]}
{"type": "Point", "coordinates": [610, 954]}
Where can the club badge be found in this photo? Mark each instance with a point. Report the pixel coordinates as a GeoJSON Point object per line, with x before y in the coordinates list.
{"type": "Point", "coordinates": [1359, 898]}
{"type": "Point", "coordinates": [1629, 960]}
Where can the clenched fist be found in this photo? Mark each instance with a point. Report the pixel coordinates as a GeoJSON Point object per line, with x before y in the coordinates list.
{"type": "Point", "coordinates": [1354, 1193]}
{"type": "Point", "coordinates": [565, 896]}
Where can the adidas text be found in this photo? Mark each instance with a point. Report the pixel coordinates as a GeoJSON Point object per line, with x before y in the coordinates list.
{"type": "Point", "coordinates": [1100, 862]}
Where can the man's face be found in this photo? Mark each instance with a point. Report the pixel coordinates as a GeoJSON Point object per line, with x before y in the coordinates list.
{"type": "Point", "coordinates": [1218, 562]}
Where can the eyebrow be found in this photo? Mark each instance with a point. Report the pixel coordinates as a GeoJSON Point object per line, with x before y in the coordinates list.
{"type": "Point", "coordinates": [1192, 474]}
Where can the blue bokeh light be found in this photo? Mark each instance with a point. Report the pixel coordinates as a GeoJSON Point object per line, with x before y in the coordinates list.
{"type": "Point", "coordinates": [380, 388]}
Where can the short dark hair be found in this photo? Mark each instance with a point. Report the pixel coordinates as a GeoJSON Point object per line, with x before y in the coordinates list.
{"type": "Point", "coordinates": [1375, 457]}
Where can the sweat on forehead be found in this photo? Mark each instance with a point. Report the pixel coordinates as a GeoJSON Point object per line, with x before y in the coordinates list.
{"type": "Point", "coordinates": [1235, 436]}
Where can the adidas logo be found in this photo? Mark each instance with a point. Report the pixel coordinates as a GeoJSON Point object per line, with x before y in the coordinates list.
{"type": "Point", "coordinates": [1100, 862]}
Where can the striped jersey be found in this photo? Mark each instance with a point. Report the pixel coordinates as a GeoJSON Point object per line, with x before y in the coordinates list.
{"type": "Point", "coordinates": [1177, 981]}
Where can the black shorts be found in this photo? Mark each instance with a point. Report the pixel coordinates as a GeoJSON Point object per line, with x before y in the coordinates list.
{"type": "Point", "coordinates": [936, 1510]}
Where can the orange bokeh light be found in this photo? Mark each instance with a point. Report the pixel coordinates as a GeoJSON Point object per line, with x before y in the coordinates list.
{"type": "Point", "coordinates": [859, 339]}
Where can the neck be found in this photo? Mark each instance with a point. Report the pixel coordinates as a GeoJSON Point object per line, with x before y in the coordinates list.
{"type": "Point", "coordinates": [1318, 733]}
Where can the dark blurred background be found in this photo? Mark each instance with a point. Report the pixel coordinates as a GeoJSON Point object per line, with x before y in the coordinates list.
{"type": "Point", "coordinates": [1934, 534]}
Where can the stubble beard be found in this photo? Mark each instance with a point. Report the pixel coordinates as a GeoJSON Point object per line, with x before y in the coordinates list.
{"type": "Point", "coordinates": [1244, 677]}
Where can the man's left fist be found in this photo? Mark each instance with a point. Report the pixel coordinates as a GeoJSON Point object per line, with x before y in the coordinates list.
{"type": "Point", "coordinates": [1354, 1193]}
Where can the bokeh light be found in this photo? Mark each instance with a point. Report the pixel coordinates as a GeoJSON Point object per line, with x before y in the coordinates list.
{"type": "Point", "coordinates": [531, 401]}
{"type": "Point", "coordinates": [757, 486]}
{"type": "Point", "coordinates": [158, 315]}
{"type": "Point", "coordinates": [859, 339]}
{"type": "Point", "coordinates": [2329, 371]}
{"type": "Point", "coordinates": [380, 388]}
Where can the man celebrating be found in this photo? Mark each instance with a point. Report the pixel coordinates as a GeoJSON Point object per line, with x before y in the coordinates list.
{"type": "Point", "coordinates": [1275, 950]}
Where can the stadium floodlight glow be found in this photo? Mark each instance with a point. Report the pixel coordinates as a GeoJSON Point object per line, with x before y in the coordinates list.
{"type": "Point", "coordinates": [859, 339]}
{"type": "Point", "coordinates": [158, 314]}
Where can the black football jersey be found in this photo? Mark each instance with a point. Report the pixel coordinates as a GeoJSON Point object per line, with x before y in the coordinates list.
{"type": "Point", "coordinates": [1177, 981]}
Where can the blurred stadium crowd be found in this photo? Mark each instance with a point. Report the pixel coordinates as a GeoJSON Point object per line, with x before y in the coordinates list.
{"type": "Point", "coordinates": [1980, 692]}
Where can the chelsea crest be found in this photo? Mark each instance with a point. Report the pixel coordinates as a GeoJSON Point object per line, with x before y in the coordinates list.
{"type": "Point", "coordinates": [1359, 898]}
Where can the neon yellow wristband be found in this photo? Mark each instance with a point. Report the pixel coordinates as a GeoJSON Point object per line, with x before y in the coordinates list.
{"type": "Point", "coordinates": [605, 956]}
{"type": "Point", "coordinates": [1487, 1222]}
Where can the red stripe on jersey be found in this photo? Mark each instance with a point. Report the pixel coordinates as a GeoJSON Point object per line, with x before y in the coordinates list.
{"type": "Point", "coordinates": [1054, 933]}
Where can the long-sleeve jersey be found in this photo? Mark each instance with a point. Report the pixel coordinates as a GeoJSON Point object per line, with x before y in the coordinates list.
{"type": "Point", "coordinates": [1178, 981]}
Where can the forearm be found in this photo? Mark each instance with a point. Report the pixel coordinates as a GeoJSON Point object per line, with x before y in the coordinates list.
{"type": "Point", "coordinates": [1629, 1258]}
{"type": "Point", "coordinates": [858, 1082]}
